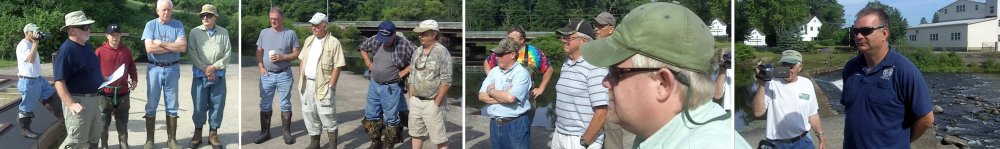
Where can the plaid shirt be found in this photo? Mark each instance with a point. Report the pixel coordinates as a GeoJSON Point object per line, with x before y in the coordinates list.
{"type": "Point", "coordinates": [401, 55]}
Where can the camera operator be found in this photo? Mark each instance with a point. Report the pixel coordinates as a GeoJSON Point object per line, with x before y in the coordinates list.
{"type": "Point", "coordinates": [790, 104]}
{"type": "Point", "coordinates": [34, 89]}
{"type": "Point", "coordinates": [724, 82]}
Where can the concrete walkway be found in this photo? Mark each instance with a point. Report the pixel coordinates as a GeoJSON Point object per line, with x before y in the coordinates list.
{"type": "Point", "coordinates": [350, 101]}
{"type": "Point", "coordinates": [833, 129]}
{"type": "Point", "coordinates": [228, 133]}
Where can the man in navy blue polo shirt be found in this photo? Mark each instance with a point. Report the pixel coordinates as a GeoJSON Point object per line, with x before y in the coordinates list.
{"type": "Point", "coordinates": [77, 77]}
{"type": "Point", "coordinates": [886, 99]}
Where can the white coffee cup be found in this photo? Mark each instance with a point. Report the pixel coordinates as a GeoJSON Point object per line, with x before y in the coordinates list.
{"type": "Point", "coordinates": [272, 53]}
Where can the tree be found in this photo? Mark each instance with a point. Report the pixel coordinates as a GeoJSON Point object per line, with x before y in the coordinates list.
{"type": "Point", "coordinates": [772, 17]}
{"type": "Point", "coordinates": [831, 14]}
{"type": "Point", "coordinates": [789, 40]}
{"type": "Point", "coordinates": [923, 20]}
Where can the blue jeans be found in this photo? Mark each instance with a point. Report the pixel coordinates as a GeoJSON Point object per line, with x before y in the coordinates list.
{"type": "Point", "coordinates": [209, 98]}
{"type": "Point", "coordinates": [515, 134]}
{"type": "Point", "coordinates": [384, 101]}
{"type": "Point", "coordinates": [804, 142]}
{"type": "Point", "coordinates": [279, 83]}
{"type": "Point", "coordinates": [162, 79]}
{"type": "Point", "coordinates": [33, 92]}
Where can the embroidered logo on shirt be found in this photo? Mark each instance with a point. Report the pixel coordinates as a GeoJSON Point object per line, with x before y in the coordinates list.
{"type": "Point", "coordinates": [803, 96]}
{"type": "Point", "coordinates": [887, 73]}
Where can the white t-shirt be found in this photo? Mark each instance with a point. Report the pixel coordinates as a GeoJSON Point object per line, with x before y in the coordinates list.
{"type": "Point", "coordinates": [315, 50]}
{"type": "Point", "coordinates": [789, 106]}
{"type": "Point", "coordinates": [727, 95]}
{"type": "Point", "coordinates": [27, 69]}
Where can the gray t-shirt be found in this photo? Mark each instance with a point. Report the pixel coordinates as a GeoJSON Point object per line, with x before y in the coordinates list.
{"type": "Point", "coordinates": [281, 42]}
{"type": "Point", "coordinates": [383, 69]}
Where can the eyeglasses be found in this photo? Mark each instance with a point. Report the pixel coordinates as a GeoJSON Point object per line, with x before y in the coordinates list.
{"type": "Point", "coordinates": [569, 37]}
{"type": "Point", "coordinates": [865, 31]}
{"type": "Point", "coordinates": [207, 16]}
{"type": "Point", "coordinates": [616, 74]}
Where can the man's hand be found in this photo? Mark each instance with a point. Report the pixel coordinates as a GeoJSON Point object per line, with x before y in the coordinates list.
{"type": "Point", "coordinates": [822, 143]}
{"type": "Point", "coordinates": [262, 71]}
{"type": "Point", "coordinates": [537, 91]}
{"type": "Point", "coordinates": [210, 73]}
{"type": "Point", "coordinates": [75, 108]}
{"type": "Point", "coordinates": [32, 38]}
{"type": "Point", "coordinates": [490, 88]}
{"type": "Point", "coordinates": [132, 85]}
{"type": "Point", "coordinates": [275, 57]}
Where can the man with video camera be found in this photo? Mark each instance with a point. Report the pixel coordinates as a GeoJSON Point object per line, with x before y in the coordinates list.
{"type": "Point", "coordinates": [790, 103]}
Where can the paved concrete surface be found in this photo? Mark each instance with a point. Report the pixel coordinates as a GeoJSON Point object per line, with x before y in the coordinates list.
{"type": "Point", "coordinates": [833, 130]}
{"type": "Point", "coordinates": [477, 131]}
{"type": "Point", "coordinates": [350, 101]}
{"type": "Point", "coordinates": [228, 133]}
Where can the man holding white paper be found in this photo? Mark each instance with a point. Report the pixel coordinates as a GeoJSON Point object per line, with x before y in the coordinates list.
{"type": "Point", "coordinates": [115, 58]}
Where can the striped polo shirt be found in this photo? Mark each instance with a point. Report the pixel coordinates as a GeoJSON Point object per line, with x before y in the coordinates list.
{"type": "Point", "coordinates": [578, 91]}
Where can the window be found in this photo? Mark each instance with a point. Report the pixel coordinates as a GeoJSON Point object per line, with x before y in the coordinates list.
{"type": "Point", "coordinates": [913, 37]}
{"type": "Point", "coordinates": [960, 8]}
{"type": "Point", "coordinates": [945, 11]}
{"type": "Point", "coordinates": [977, 7]}
{"type": "Point", "coordinates": [956, 36]}
{"type": "Point", "coordinates": [992, 9]}
{"type": "Point", "coordinates": [934, 37]}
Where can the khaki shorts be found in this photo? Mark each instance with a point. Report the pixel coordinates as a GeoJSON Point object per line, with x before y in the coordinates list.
{"type": "Point", "coordinates": [426, 119]}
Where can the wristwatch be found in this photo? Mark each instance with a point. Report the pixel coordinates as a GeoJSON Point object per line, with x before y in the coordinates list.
{"type": "Point", "coordinates": [584, 143]}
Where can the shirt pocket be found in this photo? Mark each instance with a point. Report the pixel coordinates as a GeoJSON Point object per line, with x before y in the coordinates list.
{"type": "Point", "coordinates": [883, 98]}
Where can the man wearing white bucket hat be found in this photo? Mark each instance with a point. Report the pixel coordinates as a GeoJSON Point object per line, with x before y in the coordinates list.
{"type": "Point", "coordinates": [77, 78]}
{"type": "Point", "coordinates": [320, 65]}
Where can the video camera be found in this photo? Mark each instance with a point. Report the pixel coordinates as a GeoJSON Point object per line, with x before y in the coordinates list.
{"type": "Point", "coordinates": [767, 72]}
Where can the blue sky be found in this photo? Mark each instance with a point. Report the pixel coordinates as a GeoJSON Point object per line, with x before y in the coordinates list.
{"type": "Point", "coordinates": [912, 10]}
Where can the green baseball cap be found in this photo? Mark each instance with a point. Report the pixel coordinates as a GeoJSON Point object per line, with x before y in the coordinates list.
{"type": "Point", "coordinates": [790, 56]}
{"type": "Point", "coordinates": [667, 32]}
{"type": "Point", "coordinates": [505, 45]}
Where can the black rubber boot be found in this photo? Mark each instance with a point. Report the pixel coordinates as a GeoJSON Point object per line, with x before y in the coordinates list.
{"type": "Point", "coordinates": [286, 125]}
{"type": "Point", "coordinates": [265, 126]}
{"type": "Point", "coordinates": [106, 118]}
{"type": "Point", "coordinates": [26, 128]}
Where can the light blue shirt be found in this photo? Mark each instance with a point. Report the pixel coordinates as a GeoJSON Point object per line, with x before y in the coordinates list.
{"type": "Point", "coordinates": [516, 81]}
{"type": "Point", "coordinates": [168, 32]}
{"type": "Point", "coordinates": [680, 133]}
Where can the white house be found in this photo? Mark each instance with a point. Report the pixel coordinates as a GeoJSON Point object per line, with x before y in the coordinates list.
{"type": "Point", "coordinates": [755, 38]}
{"type": "Point", "coordinates": [718, 28]}
{"type": "Point", "coordinates": [963, 25]}
{"type": "Point", "coordinates": [811, 29]}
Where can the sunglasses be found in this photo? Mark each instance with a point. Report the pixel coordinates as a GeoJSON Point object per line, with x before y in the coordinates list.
{"type": "Point", "coordinates": [83, 27]}
{"type": "Point", "coordinates": [207, 16]}
{"type": "Point", "coordinates": [865, 31]}
{"type": "Point", "coordinates": [784, 64]}
{"type": "Point", "coordinates": [616, 74]}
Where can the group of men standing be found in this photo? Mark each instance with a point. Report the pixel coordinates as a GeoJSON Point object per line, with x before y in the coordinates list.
{"type": "Point", "coordinates": [403, 76]}
{"type": "Point", "coordinates": [79, 71]}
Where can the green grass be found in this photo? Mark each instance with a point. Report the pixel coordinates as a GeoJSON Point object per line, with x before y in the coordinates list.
{"type": "Point", "coordinates": [7, 63]}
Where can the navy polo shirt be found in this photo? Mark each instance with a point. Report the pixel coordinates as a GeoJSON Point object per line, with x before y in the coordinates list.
{"type": "Point", "coordinates": [77, 65]}
{"type": "Point", "coordinates": [881, 106]}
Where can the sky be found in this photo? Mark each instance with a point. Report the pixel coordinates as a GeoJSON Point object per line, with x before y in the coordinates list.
{"type": "Point", "coordinates": [912, 10]}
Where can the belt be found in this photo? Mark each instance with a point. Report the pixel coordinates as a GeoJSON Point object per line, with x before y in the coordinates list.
{"type": "Point", "coordinates": [277, 71]}
{"type": "Point", "coordinates": [423, 98]}
{"type": "Point", "coordinates": [793, 139]}
{"type": "Point", "coordinates": [85, 95]}
{"type": "Point", "coordinates": [505, 120]}
{"type": "Point", "coordinates": [24, 77]}
{"type": "Point", "coordinates": [165, 64]}
{"type": "Point", "coordinates": [397, 80]}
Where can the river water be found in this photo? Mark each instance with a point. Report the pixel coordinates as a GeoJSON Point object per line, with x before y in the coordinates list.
{"type": "Point", "coordinates": [957, 94]}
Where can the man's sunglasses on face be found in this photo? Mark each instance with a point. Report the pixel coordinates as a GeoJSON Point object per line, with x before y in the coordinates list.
{"type": "Point", "coordinates": [865, 31]}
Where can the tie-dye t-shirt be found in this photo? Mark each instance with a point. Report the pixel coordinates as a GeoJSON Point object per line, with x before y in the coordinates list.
{"type": "Point", "coordinates": [530, 57]}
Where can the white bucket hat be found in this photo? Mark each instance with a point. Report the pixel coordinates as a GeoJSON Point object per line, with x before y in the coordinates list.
{"type": "Point", "coordinates": [76, 18]}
